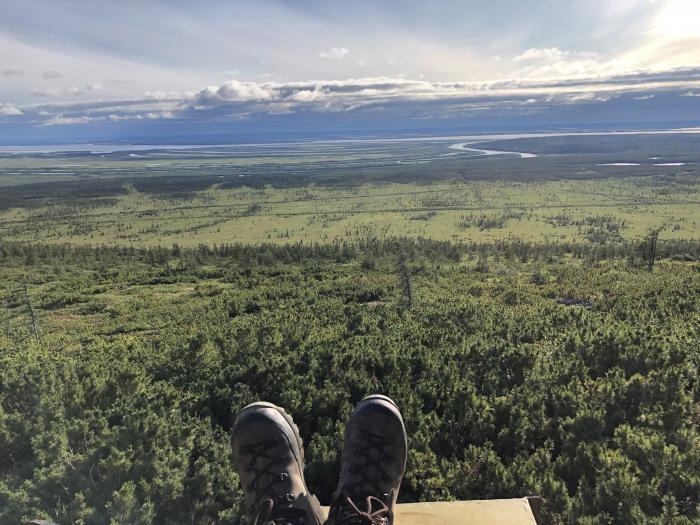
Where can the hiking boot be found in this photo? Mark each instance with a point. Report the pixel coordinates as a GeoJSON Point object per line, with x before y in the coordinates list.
{"type": "Point", "coordinates": [269, 457]}
{"type": "Point", "coordinates": [373, 464]}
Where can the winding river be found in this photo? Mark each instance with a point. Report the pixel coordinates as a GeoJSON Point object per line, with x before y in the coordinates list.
{"type": "Point", "coordinates": [462, 146]}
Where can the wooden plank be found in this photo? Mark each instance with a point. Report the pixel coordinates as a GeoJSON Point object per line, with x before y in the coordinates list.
{"type": "Point", "coordinates": [480, 512]}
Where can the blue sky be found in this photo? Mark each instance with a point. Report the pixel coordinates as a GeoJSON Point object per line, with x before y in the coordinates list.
{"type": "Point", "coordinates": [99, 68]}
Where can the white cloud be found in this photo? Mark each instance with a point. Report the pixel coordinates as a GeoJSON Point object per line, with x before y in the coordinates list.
{"type": "Point", "coordinates": [60, 120]}
{"type": "Point", "coordinates": [546, 53]}
{"type": "Point", "coordinates": [349, 95]}
{"type": "Point", "coordinates": [588, 97]}
{"type": "Point", "coordinates": [166, 95]}
{"type": "Point", "coordinates": [690, 94]}
{"type": "Point", "coordinates": [416, 97]}
{"type": "Point", "coordinates": [92, 88]}
{"type": "Point", "coordinates": [8, 110]}
{"type": "Point", "coordinates": [160, 115]}
{"type": "Point", "coordinates": [258, 38]}
{"type": "Point", "coordinates": [235, 91]}
{"type": "Point", "coordinates": [280, 108]}
{"type": "Point", "coordinates": [335, 53]}
{"type": "Point", "coordinates": [553, 54]}
{"type": "Point", "coordinates": [72, 91]}
{"type": "Point", "coordinates": [306, 95]}
{"type": "Point", "coordinates": [151, 115]}
{"type": "Point", "coordinates": [552, 62]}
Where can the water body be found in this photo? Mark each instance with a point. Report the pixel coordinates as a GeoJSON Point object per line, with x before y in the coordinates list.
{"type": "Point", "coordinates": [638, 164]}
{"type": "Point", "coordinates": [113, 148]}
{"type": "Point", "coordinates": [462, 146]}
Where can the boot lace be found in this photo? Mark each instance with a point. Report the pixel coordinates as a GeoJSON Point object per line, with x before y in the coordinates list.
{"type": "Point", "coordinates": [346, 512]}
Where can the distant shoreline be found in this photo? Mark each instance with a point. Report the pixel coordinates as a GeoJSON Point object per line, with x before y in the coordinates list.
{"type": "Point", "coordinates": [107, 148]}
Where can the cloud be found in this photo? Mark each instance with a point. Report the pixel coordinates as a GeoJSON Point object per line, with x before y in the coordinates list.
{"type": "Point", "coordinates": [306, 95]}
{"type": "Point", "coordinates": [552, 62]}
{"type": "Point", "coordinates": [690, 94]}
{"type": "Point", "coordinates": [160, 115]}
{"type": "Point", "coordinates": [553, 54]}
{"type": "Point", "coordinates": [234, 91]}
{"type": "Point", "coordinates": [60, 120]}
{"type": "Point", "coordinates": [165, 95]}
{"type": "Point", "coordinates": [151, 115]}
{"type": "Point", "coordinates": [62, 92]}
{"type": "Point", "coordinates": [547, 53]}
{"type": "Point", "coordinates": [341, 40]}
{"type": "Point", "coordinates": [8, 110]}
{"type": "Point", "coordinates": [280, 108]}
{"type": "Point", "coordinates": [335, 53]}
{"type": "Point", "coordinates": [398, 97]}
{"type": "Point", "coordinates": [68, 118]}
{"type": "Point", "coordinates": [12, 72]}
{"type": "Point", "coordinates": [423, 96]}
{"type": "Point", "coordinates": [588, 97]}
{"type": "Point", "coordinates": [52, 75]}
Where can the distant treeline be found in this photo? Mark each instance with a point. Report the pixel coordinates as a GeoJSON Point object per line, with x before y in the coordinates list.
{"type": "Point", "coordinates": [523, 251]}
{"type": "Point", "coordinates": [182, 183]}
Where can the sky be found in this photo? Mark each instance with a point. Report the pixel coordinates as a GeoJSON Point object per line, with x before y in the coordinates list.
{"type": "Point", "coordinates": [74, 70]}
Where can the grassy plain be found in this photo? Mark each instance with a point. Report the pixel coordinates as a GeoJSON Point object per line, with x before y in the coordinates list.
{"type": "Point", "coordinates": [324, 192]}
{"type": "Point", "coordinates": [541, 211]}
{"type": "Point", "coordinates": [572, 211]}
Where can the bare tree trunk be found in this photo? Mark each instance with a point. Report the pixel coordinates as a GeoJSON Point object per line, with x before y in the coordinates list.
{"type": "Point", "coordinates": [35, 331]}
{"type": "Point", "coordinates": [651, 249]}
{"type": "Point", "coordinates": [406, 285]}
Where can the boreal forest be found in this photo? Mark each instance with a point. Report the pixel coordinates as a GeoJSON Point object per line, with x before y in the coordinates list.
{"type": "Point", "coordinates": [568, 371]}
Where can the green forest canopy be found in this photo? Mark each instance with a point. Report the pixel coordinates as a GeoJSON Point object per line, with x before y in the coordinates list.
{"type": "Point", "coordinates": [567, 371]}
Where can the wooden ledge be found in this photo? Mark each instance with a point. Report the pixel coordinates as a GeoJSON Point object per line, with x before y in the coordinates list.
{"type": "Point", "coordinates": [522, 511]}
